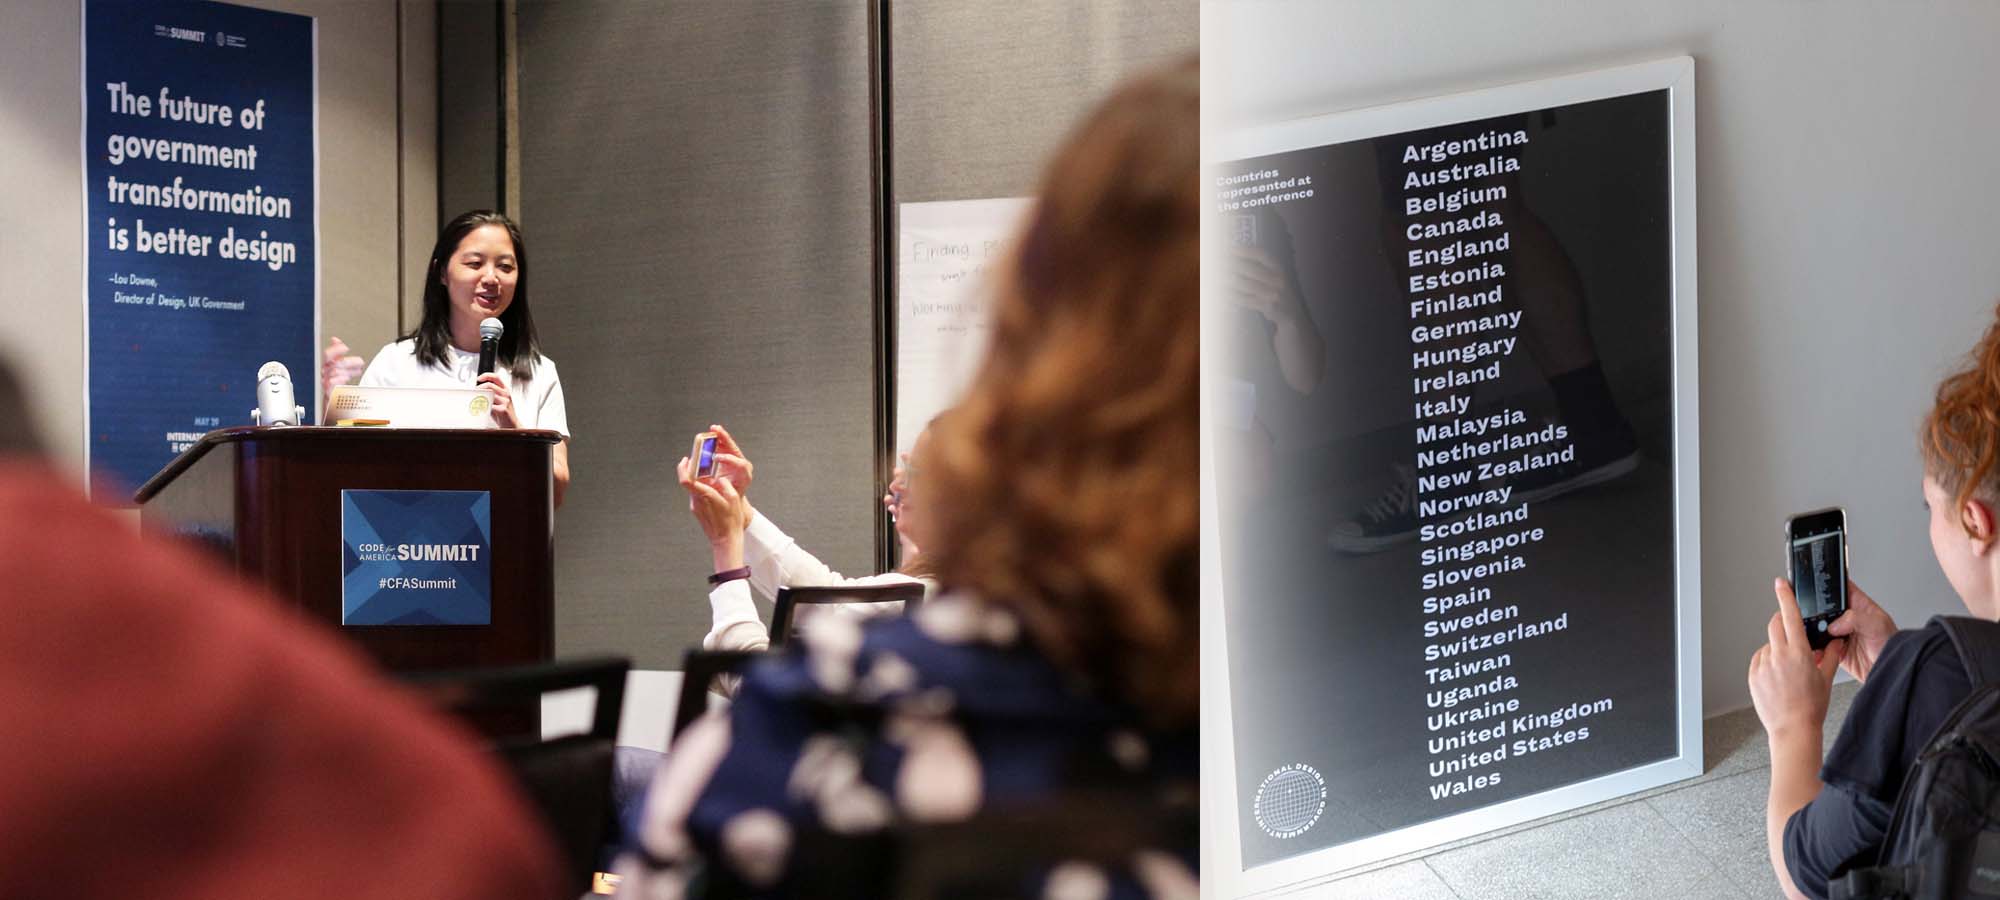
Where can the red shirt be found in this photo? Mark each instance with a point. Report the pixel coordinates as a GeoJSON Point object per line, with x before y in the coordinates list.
{"type": "Point", "coordinates": [167, 731]}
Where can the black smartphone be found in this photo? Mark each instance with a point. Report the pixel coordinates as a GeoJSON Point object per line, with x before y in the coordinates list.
{"type": "Point", "coordinates": [1816, 551]}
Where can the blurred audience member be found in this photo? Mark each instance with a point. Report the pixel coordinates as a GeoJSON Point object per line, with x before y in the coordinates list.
{"type": "Point", "coordinates": [751, 552]}
{"type": "Point", "coordinates": [1061, 652]}
{"type": "Point", "coordinates": [168, 732]}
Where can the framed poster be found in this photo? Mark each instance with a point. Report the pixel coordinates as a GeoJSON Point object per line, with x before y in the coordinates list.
{"type": "Point", "coordinates": [1451, 574]}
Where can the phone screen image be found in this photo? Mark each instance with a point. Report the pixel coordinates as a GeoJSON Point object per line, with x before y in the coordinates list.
{"type": "Point", "coordinates": [704, 464]}
{"type": "Point", "coordinates": [1817, 576]}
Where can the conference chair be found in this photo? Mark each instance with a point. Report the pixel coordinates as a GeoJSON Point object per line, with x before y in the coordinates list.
{"type": "Point", "coordinates": [699, 671]}
{"type": "Point", "coordinates": [790, 598]}
{"type": "Point", "coordinates": [568, 778]}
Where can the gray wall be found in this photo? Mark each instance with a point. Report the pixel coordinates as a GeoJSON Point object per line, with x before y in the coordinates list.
{"type": "Point", "coordinates": [695, 183]}
{"type": "Point", "coordinates": [983, 92]}
{"type": "Point", "coordinates": [469, 50]}
{"type": "Point", "coordinates": [695, 195]}
{"type": "Point", "coordinates": [1846, 183]}
{"type": "Point", "coordinates": [41, 201]}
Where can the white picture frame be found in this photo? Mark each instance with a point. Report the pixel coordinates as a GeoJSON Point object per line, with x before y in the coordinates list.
{"type": "Point", "coordinates": [1223, 811]}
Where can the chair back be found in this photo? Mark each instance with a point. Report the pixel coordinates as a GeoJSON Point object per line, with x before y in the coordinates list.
{"type": "Point", "coordinates": [568, 778]}
{"type": "Point", "coordinates": [995, 855]}
{"type": "Point", "coordinates": [699, 671]}
{"type": "Point", "coordinates": [909, 593]}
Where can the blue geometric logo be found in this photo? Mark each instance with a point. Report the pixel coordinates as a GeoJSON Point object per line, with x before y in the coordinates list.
{"type": "Point", "coordinates": [416, 558]}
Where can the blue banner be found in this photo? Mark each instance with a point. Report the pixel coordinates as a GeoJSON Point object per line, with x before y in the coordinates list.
{"type": "Point", "coordinates": [200, 166]}
{"type": "Point", "coordinates": [416, 558]}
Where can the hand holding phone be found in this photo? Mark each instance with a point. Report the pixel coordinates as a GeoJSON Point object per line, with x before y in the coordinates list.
{"type": "Point", "coordinates": [1867, 628]}
{"type": "Point", "coordinates": [1790, 678]}
{"type": "Point", "coordinates": [1816, 558]}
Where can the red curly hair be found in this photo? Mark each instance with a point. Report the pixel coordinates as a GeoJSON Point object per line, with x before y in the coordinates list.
{"type": "Point", "coordinates": [1070, 466]}
{"type": "Point", "coordinates": [1960, 438]}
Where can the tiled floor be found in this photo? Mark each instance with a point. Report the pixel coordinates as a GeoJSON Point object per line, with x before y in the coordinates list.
{"type": "Point", "coordinates": [1701, 838]}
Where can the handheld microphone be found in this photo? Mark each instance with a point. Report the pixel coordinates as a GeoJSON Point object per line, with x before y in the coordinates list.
{"type": "Point", "coordinates": [275, 403]}
{"type": "Point", "coordinates": [489, 343]}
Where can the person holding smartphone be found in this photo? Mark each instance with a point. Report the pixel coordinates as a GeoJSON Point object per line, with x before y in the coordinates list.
{"type": "Point", "coordinates": [1824, 818]}
{"type": "Point", "coordinates": [478, 270]}
{"type": "Point", "coordinates": [751, 552]}
{"type": "Point", "coordinates": [1062, 662]}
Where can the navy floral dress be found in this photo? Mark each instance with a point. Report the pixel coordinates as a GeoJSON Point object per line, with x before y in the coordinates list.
{"type": "Point", "coordinates": [947, 712]}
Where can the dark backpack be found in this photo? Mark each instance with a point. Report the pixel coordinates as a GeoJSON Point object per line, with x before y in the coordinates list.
{"type": "Point", "coordinates": [1944, 839]}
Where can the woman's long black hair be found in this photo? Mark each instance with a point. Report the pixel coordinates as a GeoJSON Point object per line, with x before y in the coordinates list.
{"type": "Point", "coordinates": [518, 344]}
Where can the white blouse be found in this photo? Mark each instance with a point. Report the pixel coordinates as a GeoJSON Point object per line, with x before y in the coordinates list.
{"type": "Point", "coordinates": [538, 402]}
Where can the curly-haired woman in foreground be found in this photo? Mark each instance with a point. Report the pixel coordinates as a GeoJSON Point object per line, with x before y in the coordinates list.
{"type": "Point", "coordinates": [1064, 491]}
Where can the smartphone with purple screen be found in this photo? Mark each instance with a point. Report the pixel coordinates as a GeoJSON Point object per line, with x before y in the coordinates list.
{"type": "Point", "coordinates": [704, 455]}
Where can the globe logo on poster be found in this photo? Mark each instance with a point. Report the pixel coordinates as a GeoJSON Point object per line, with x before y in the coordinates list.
{"type": "Point", "coordinates": [1290, 801]}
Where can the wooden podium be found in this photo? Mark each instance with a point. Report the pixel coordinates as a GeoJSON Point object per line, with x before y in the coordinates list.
{"type": "Point", "coordinates": [269, 501]}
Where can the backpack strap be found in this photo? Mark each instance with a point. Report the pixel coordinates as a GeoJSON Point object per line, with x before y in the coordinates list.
{"type": "Point", "coordinates": [1978, 644]}
{"type": "Point", "coordinates": [1870, 884]}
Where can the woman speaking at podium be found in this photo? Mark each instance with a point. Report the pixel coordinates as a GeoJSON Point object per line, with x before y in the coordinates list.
{"type": "Point", "coordinates": [478, 270]}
